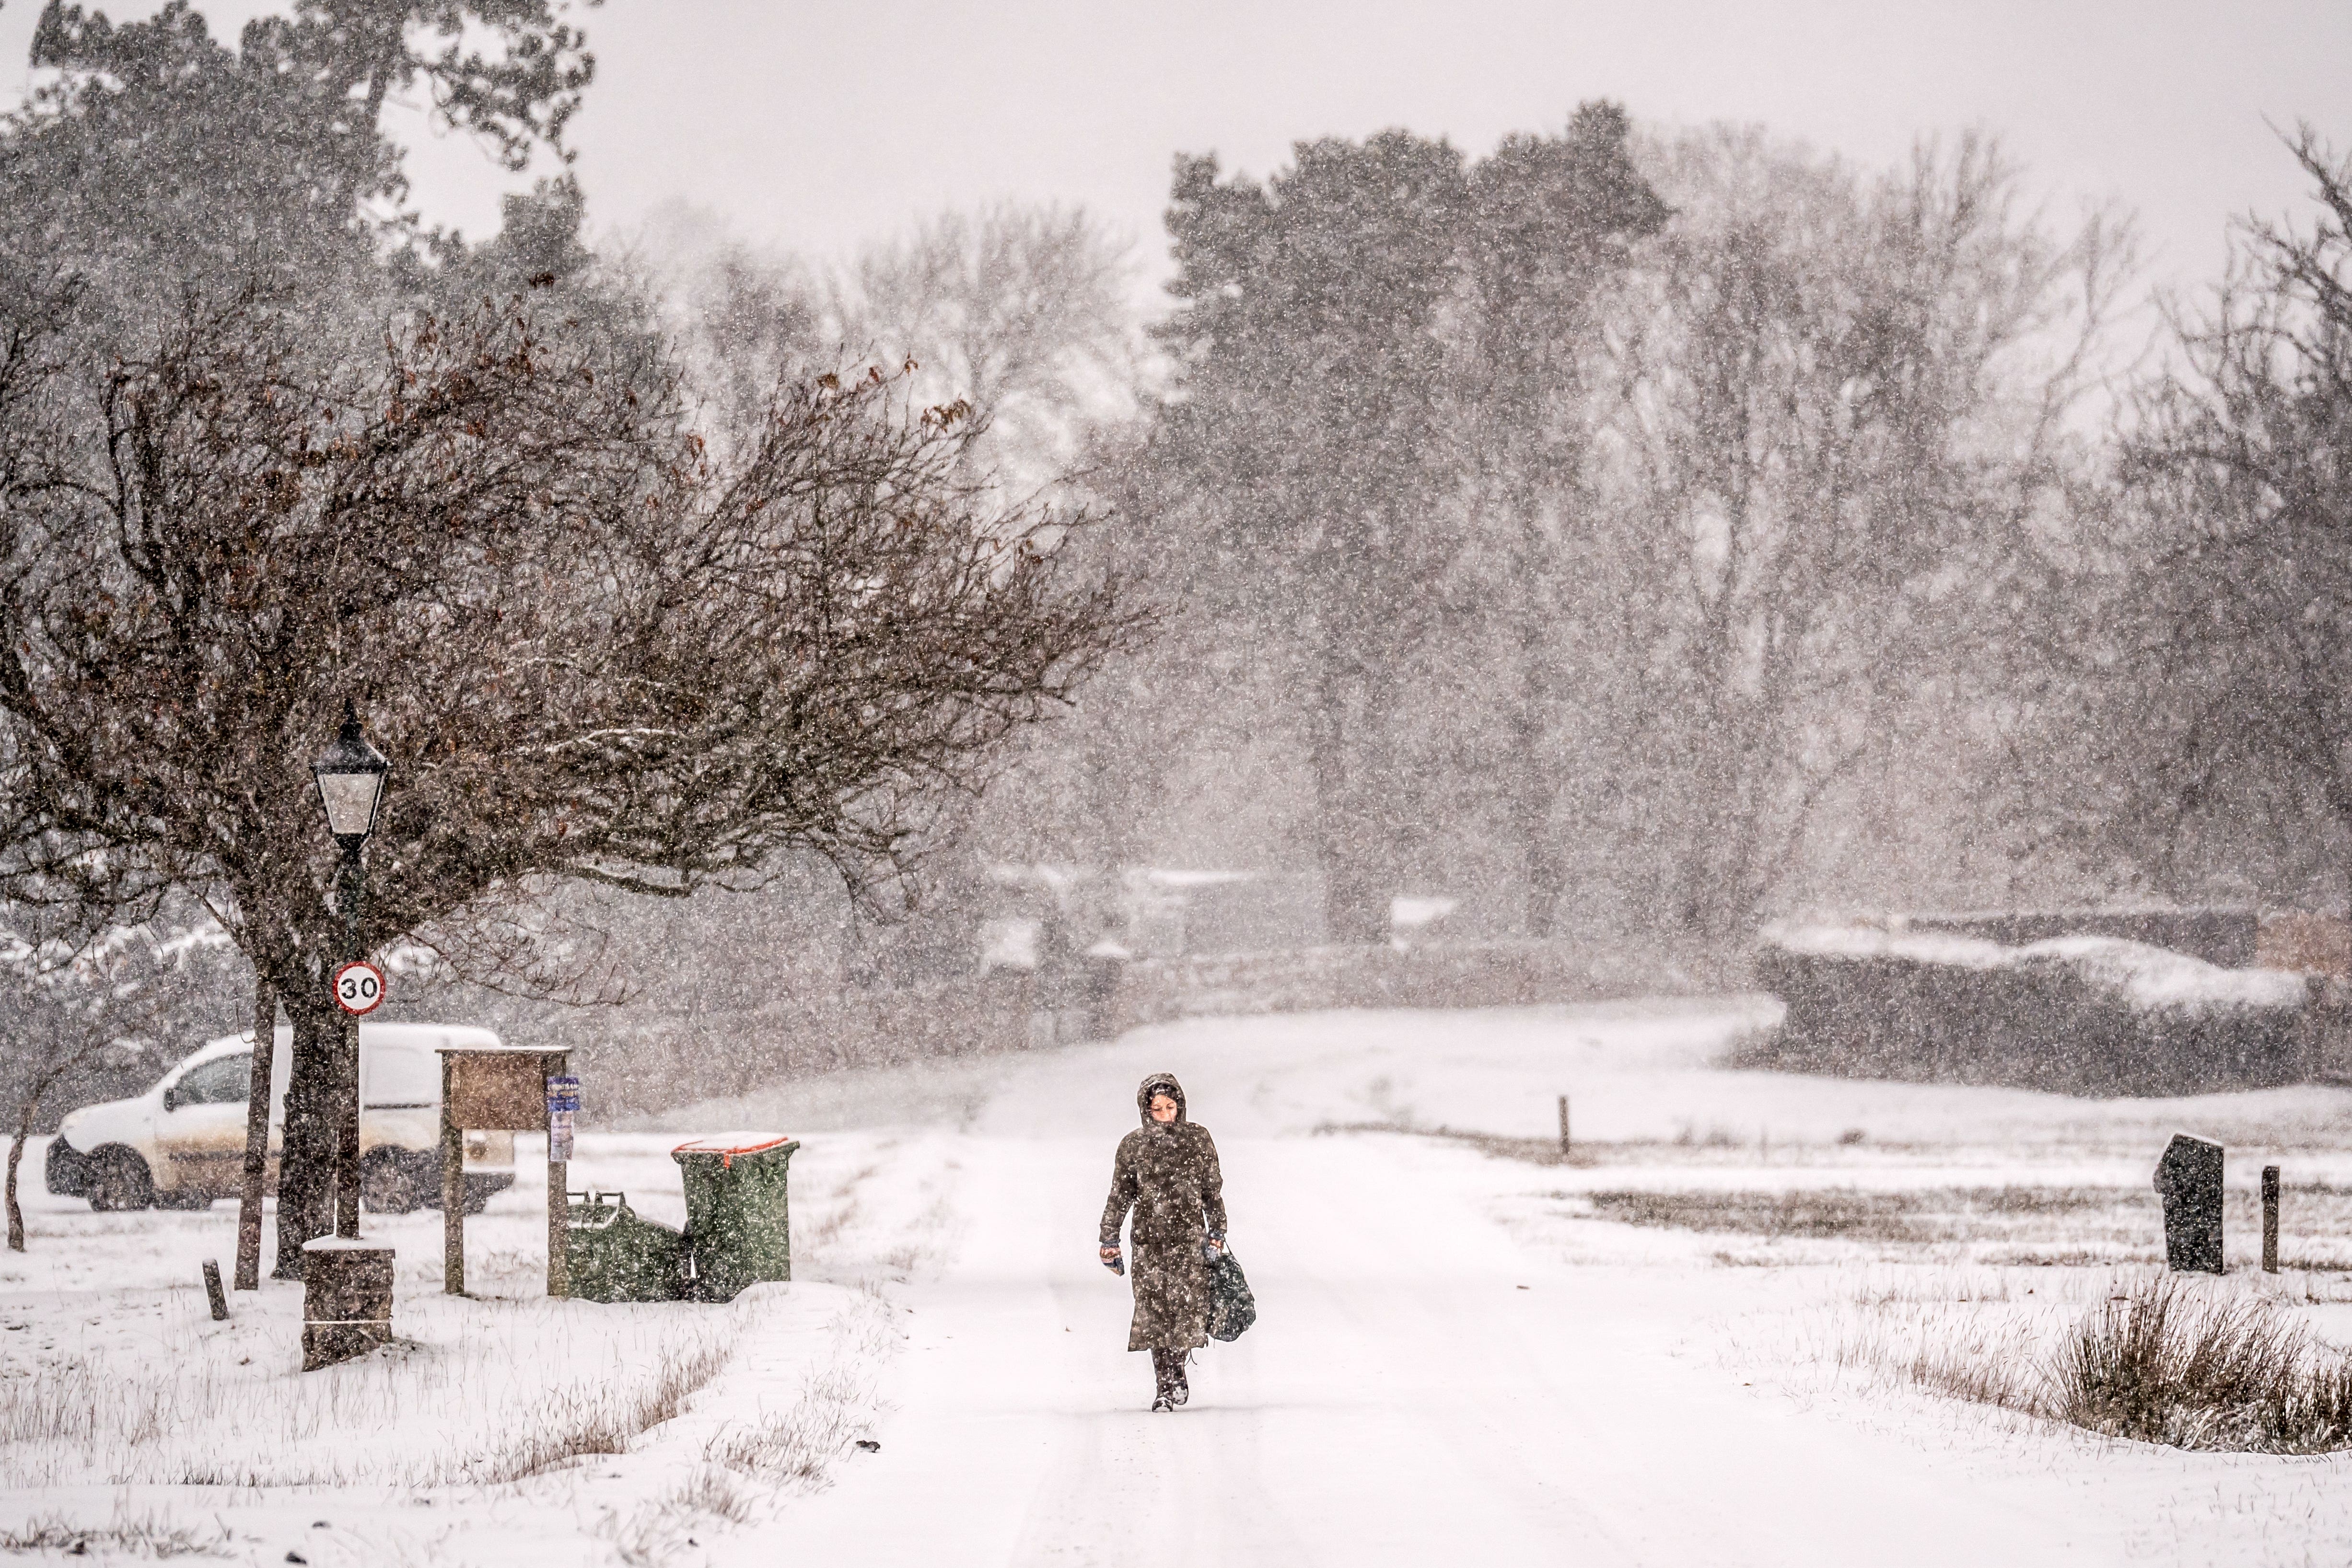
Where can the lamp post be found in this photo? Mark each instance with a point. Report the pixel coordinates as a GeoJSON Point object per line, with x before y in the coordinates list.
{"type": "Point", "coordinates": [350, 783]}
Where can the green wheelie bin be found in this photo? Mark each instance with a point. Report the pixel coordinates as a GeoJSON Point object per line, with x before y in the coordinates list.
{"type": "Point", "coordinates": [615, 1254]}
{"type": "Point", "coordinates": [737, 1220]}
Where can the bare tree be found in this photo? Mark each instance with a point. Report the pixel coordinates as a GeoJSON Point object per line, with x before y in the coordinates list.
{"type": "Point", "coordinates": [1843, 410]}
{"type": "Point", "coordinates": [2210, 711]}
{"type": "Point", "coordinates": [1025, 313]}
{"type": "Point", "coordinates": [593, 648]}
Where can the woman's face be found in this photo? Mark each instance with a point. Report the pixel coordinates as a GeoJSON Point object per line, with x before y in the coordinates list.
{"type": "Point", "coordinates": [1163, 1108]}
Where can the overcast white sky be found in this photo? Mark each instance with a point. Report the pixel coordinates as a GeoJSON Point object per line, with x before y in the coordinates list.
{"type": "Point", "coordinates": [815, 125]}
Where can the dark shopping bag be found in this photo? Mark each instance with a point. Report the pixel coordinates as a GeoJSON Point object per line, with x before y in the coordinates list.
{"type": "Point", "coordinates": [1231, 1307]}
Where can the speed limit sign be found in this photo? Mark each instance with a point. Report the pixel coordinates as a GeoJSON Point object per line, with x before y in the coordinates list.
{"type": "Point", "coordinates": [359, 988]}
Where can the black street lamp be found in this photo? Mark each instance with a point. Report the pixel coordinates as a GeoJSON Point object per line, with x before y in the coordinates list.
{"type": "Point", "coordinates": [351, 784]}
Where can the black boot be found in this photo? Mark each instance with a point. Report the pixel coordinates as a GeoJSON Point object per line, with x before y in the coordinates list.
{"type": "Point", "coordinates": [1179, 1390]}
{"type": "Point", "coordinates": [1166, 1371]}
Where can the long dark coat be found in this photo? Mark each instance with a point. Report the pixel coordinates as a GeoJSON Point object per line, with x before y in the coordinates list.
{"type": "Point", "coordinates": [1167, 1173]}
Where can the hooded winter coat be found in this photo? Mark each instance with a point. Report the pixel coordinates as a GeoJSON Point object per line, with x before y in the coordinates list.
{"type": "Point", "coordinates": [1166, 1172]}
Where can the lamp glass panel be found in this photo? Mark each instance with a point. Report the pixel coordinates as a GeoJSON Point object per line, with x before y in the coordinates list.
{"type": "Point", "coordinates": [350, 802]}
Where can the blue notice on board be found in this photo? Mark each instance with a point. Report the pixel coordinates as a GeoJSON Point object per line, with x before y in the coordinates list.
{"type": "Point", "coordinates": [562, 1095]}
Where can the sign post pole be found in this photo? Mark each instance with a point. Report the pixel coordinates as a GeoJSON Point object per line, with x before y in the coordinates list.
{"type": "Point", "coordinates": [562, 1102]}
{"type": "Point", "coordinates": [453, 1187]}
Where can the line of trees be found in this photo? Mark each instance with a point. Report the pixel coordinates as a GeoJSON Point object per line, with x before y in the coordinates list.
{"type": "Point", "coordinates": [1567, 529]}
{"type": "Point", "coordinates": [1642, 531]}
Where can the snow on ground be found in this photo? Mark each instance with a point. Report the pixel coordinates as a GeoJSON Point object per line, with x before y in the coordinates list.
{"type": "Point", "coordinates": [1688, 1342]}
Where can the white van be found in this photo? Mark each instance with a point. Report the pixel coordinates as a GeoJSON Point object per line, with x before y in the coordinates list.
{"type": "Point", "coordinates": [182, 1144]}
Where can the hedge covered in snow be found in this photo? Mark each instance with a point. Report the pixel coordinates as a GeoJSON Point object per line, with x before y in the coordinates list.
{"type": "Point", "coordinates": [2080, 1015]}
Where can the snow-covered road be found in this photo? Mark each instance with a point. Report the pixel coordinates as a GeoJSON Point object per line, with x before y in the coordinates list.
{"type": "Point", "coordinates": [1422, 1387]}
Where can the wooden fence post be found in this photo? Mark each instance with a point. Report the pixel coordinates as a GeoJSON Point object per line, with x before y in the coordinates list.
{"type": "Point", "coordinates": [2270, 1218]}
{"type": "Point", "coordinates": [1563, 1126]}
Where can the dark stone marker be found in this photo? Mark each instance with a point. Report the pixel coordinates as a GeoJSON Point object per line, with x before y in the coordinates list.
{"type": "Point", "coordinates": [346, 1300]}
{"type": "Point", "coordinates": [2190, 1178]}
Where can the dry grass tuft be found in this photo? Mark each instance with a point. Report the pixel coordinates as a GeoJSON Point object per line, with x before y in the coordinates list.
{"type": "Point", "coordinates": [577, 1423]}
{"type": "Point", "coordinates": [2159, 1367]}
{"type": "Point", "coordinates": [2150, 1359]}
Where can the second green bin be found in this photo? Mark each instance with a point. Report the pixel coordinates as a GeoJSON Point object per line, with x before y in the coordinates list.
{"type": "Point", "coordinates": [737, 1218]}
{"type": "Point", "coordinates": [613, 1254]}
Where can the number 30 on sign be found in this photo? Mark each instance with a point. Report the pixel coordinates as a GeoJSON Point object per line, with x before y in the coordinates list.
{"type": "Point", "coordinates": [359, 988]}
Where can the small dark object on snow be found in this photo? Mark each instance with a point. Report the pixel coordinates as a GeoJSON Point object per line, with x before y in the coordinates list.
{"type": "Point", "coordinates": [1232, 1306]}
{"type": "Point", "coordinates": [869, 1445]}
{"type": "Point", "coordinates": [2190, 1178]}
{"type": "Point", "coordinates": [295, 1557]}
{"type": "Point", "coordinates": [321, 1524]}
{"type": "Point", "coordinates": [79, 1549]}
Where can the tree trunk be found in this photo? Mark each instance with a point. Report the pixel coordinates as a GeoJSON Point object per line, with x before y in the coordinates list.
{"type": "Point", "coordinates": [1534, 788]}
{"type": "Point", "coordinates": [1350, 849]}
{"type": "Point", "coordinates": [15, 1154]}
{"type": "Point", "coordinates": [257, 1134]}
{"type": "Point", "coordinates": [306, 1164]}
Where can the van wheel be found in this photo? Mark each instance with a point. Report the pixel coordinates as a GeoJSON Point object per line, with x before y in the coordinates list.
{"type": "Point", "coordinates": [387, 1188]}
{"type": "Point", "coordinates": [118, 1182]}
{"type": "Point", "coordinates": [183, 1200]}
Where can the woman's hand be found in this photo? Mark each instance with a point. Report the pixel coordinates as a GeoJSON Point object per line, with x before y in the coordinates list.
{"type": "Point", "coordinates": [1113, 1261]}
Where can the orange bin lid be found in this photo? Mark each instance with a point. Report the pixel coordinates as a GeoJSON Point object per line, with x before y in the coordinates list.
{"type": "Point", "coordinates": [729, 1144]}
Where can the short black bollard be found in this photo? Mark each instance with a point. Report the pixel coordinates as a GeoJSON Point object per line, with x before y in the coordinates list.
{"type": "Point", "coordinates": [2190, 1178]}
{"type": "Point", "coordinates": [212, 1290]}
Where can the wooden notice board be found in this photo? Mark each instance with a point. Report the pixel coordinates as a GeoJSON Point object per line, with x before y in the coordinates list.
{"type": "Point", "coordinates": [496, 1091]}
{"type": "Point", "coordinates": [500, 1090]}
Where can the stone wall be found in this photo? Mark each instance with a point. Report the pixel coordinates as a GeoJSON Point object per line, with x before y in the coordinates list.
{"type": "Point", "coordinates": [1483, 974]}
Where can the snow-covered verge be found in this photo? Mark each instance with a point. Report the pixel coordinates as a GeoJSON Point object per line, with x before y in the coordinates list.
{"type": "Point", "coordinates": [516, 1428]}
{"type": "Point", "coordinates": [1696, 1338]}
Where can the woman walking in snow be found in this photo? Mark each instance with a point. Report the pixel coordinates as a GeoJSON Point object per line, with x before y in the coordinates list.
{"type": "Point", "coordinates": [1165, 1171]}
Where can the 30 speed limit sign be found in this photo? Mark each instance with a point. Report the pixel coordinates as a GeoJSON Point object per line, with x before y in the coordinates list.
{"type": "Point", "coordinates": [359, 988]}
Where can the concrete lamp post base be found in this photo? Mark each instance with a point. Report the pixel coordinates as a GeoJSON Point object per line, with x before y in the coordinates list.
{"type": "Point", "coordinates": [346, 1300]}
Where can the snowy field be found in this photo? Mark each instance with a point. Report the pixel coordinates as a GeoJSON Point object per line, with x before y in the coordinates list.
{"type": "Point", "coordinates": [1716, 1334]}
